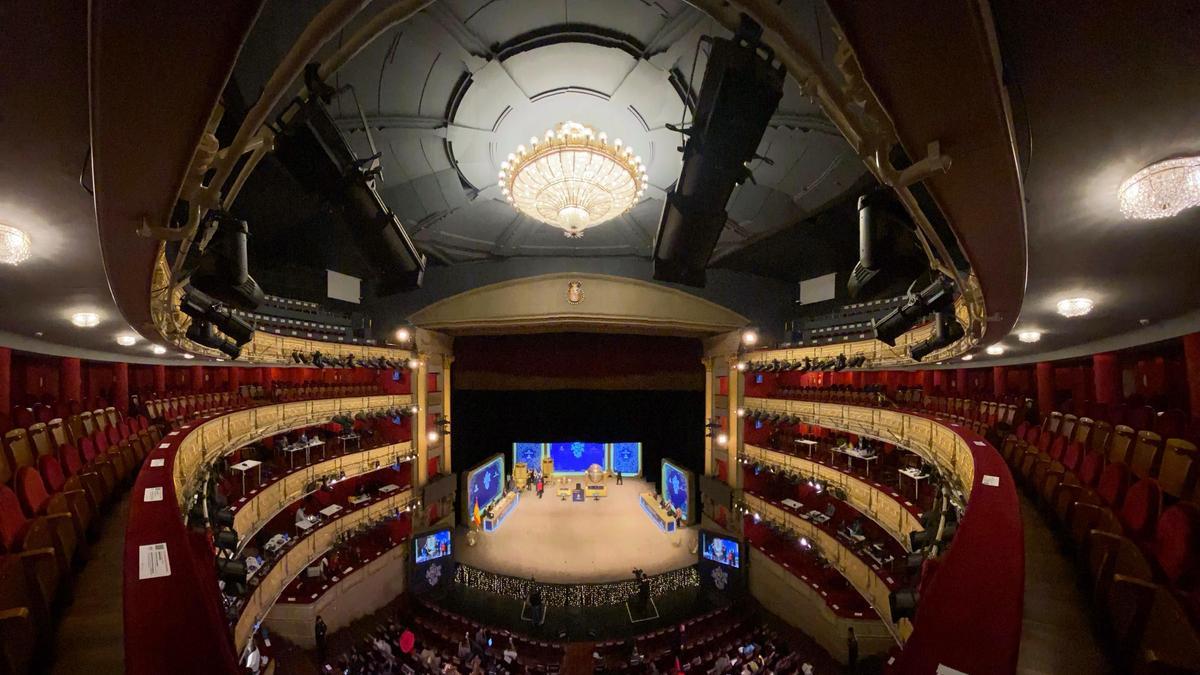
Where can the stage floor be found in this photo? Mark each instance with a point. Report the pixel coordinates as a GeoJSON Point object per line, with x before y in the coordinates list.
{"type": "Point", "coordinates": [576, 542]}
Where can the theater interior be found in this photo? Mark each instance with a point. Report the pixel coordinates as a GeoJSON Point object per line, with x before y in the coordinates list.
{"type": "Point", "coordinates": [511, 337]}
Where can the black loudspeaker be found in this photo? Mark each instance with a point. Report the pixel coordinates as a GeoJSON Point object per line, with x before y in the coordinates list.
{"type": "Point", "coordinates": [317, 154]}
{"type": "Point", "coordinates": [904, 603]}
{"type": "Point", "coordinates": [739, 94]}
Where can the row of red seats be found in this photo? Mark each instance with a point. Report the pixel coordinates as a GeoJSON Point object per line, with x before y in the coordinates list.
{"type": "Point", "coordinates": [56, 481]}
{"type": "Point", "coordinates": [1126, 503]}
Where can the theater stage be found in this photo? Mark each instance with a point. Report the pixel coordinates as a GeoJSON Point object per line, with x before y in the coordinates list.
{"type": "Point", "coordinates": [577, 542]}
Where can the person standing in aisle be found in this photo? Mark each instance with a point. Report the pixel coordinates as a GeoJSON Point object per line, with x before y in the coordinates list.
{"type": "Point", "coordinates": [319, 630]}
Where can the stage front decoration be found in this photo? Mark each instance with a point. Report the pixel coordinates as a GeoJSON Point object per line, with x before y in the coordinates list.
{"type": "Point", "coordinates": [720, 578]}
{"type": "Point", "coordinates": [434, 574]}
{"type": "Point", "coordinates": [575, 292]}
{"type": "Point", "coordinates": [576, 595]}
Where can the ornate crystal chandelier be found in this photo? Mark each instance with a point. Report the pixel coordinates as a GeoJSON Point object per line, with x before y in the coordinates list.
{"type": "Point", "coordinates": [573, 178]}
{"type": "Point", "coordinates": [1162, 189]}
{"type": "Point", "coordinates": [15, 245]}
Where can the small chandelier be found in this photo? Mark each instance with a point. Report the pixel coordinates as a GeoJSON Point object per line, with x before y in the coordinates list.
{"type": "Point", "coordinates": [573, 178]}
{"type": "Point", "coordinates": [15, 245]}
{"type": "Point", "coordinates": [1162, 189]}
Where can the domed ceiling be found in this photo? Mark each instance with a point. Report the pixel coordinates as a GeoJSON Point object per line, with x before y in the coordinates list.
{"type": "Point", "coordinates": [448, 95]}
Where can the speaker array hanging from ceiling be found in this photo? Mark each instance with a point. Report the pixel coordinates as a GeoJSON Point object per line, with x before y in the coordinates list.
{"type": "Point", "coordinates": [319, 156]}
{"type": "Point", "coordinates": [739, 94]}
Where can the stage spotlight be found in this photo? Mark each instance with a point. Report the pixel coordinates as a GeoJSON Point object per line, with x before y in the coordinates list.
{"type": "Point", "coordinates": [946, 331]}
{"type": "Point", "coordinates": [221, 267]}
{"type": "Point", "coordinates": [936, 297]}
{"type": "Point", "coordinates": [903, 603]}
{"type": "Point", "coordinates": [233, 572]}
{"type": "Point", "coordinates": [204, 333]}
{"type": "Point", "coordinates": [222, 517]}
{"type": "Point", "coordinates": [887, 246]}
{"type": "Point", "coordinates": [858, 361]}
{"type": "Point", "coordinates": [806, 365]}
{"type": "Point", "coordinates": [200, 306]}
{"type": "Point", "coordinates": [840, 362]}
{"type": "Point", "coordinates": [226, 540]}
{"type": "Point", "coordinates": [318, 360]}
{"type": "Point", "coordinates": [740, 92]}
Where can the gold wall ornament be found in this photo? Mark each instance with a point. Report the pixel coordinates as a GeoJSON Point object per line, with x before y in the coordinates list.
{"type": "Point", "coordinates": [575, 292]}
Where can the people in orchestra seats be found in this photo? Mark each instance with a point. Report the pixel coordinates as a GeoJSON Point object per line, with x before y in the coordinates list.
{"type": "Point", "coordinates": [541, 486]}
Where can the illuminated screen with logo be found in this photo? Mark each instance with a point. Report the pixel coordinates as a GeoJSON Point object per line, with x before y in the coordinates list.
{"type": "Point", "coordinates": [720, 549]}
{"type": "Point", "coordinates": [676, 486]}
{"type": "Point", "coordinates": [530, 453]}
{"type": "Point", "coordinates": [431, 546]}
{"type": "Point", "coordinates": [627, 458]}
{"type": "Point", "coordinates": [576, 457]}
{"type": "Point", "coordinates": [485, 483]}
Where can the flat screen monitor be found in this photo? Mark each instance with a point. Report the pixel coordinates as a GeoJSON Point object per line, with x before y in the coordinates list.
{"type": "Point", "coordinates": [431, 546]}
{"type": "Point", "coordinates": [485, 483]}
{"type": "Point", "coordinates": [677, 487]}
{"type": "Point", "coordinates": [576, 456]}
{"type": "Point", "coordinates": [720, 549]}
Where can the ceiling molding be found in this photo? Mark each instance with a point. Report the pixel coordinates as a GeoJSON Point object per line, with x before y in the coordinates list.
{"type": "Point", "coordinates": [609, 304]}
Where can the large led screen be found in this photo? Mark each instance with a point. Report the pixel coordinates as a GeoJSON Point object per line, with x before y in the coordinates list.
{"type": "Point", "coordinates": [676, 486]}
{"type": "Point", "coordinates": [576, 457]}
{"type": "Point", "coordinates": [485, 483]}
{"type": "Point", "coordinates": [627, 458]}
{"type": "Point", "coordinates": [530, 453]}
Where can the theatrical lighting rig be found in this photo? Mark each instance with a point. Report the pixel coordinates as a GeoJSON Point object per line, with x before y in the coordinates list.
{"type": "Point", "coordinates": [946, 331]}
{"type": "Point", "coordinates": [210, 316]}
{"type": "Point", "coordinates": [936, 297]}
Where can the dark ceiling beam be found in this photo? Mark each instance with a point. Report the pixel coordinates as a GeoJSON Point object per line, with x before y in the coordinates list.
{"type": "Point", "coordinates": [478, 53]}
{"type": "Point", "coordinates": [814, 122]}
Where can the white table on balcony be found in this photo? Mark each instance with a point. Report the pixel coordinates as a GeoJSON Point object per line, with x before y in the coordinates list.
{"type": "Point", "coordinates": [917, 475]}
{"type": "Point", "coordinates": [245, 465]}
{"type": "Point", "coordinates": [808, 444]}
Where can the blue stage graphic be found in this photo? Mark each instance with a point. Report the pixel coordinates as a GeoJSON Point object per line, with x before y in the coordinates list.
{"type": "Point", "coordinates": [486, 483]}
{"type": "Point", "coordinates": [721, 550]}
{"type": "Point", "coordinates": [575, 458]}
{"type": "Point", "coordinates": [675, 487]}
{"type": "Point", "coordinates": [627, 458]}
{"type": "Point", "coordinates": [431, 546]}
{"type": "Point", "coordinates": [530, 453]}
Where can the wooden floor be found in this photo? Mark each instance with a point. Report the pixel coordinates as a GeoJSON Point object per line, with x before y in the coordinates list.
{"type": "Point", "coordinates": [91, 635]}
{"type": "Point", "coordinates": [1057, 634]}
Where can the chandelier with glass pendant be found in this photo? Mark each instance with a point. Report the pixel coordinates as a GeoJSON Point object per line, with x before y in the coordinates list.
{"type": "Point", "coordinates": [573, 178]}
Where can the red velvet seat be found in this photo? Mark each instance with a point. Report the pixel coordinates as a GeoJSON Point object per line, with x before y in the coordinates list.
{"type": "Point", "coordinates": [21, 533]}
{"type": "Point", "coordinates": [37, 501]}
{"type": "Point", "coordinates": [84, 507]}
{"type": "Point", "coordinates": [1109, 493]}
{"type": "Point", "coordinates": [89, 479]}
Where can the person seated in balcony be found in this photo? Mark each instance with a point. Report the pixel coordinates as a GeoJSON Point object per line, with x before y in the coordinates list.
{"type": "Point", "coordinates": [830, 510]}
{"type": "Point", "coordinates": [855, 528]}
{"type": "Point", "coordinates": [303, 440]}
{"type": "Point", "coordinates": [302, 517]}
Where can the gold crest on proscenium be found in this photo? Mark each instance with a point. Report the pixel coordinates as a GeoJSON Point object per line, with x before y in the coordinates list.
{"type": "Point", "coordinates": [575, 292]}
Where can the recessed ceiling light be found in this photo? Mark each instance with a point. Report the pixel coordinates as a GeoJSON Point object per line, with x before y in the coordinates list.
{"type": "Point", "coordinates": [85, 319]}
{"type": "Point", "coordinates": [968, 357]}
{"type": "Point", "coordinates": [1029, 336]}
{"type": "Point", "coordinates": [1162, 189]}
{"type": "Point", "coordinates": [38, 334]}
{"type": "Point", "coordinates": [127, 340]}
{"type": "Point", "coordinates": [186, 356]}
{"type": "Point", "coordinates": [1073, 307]}
{"type": "Point", "coordinates": [995, 350]}
{"type": "Point", "coordinates": [749, 337]}
{"type": "Point", "coordinates": [159, 349]}
{"type": "Point", "coordinates": [15, 245]}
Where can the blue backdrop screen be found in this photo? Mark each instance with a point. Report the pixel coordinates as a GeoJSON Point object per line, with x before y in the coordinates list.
{"type": "Point", "coordinates": [432, 545]}
{"type": "Point", "coordinates": [485, 483]}
{"type": "Point", "coordinates": [627, 458]}
{"type": "Point", "coordinates": [530, 453]}
{"type": "Point", "coordinates": [577, 457]}
{"type": "Point", "coordinates": [675, 486]}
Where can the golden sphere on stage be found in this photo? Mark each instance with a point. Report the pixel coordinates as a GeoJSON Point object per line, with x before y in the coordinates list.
{"type": "Point", "coordinates": [595, 473]}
